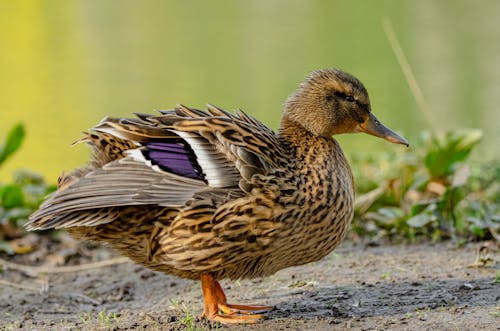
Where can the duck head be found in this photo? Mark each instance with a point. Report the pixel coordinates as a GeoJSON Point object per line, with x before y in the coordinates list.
{"type": "Point", "coordinates": [331, 101]}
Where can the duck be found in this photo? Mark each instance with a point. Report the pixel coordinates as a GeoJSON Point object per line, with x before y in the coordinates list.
{"type": "Point", "coordinates": [210, 194]}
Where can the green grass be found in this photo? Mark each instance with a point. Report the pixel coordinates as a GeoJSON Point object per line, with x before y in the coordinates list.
{"type": "Point", "coordinates": [104, 318]}
{"type": "Point", "coordinates": [188, 319]}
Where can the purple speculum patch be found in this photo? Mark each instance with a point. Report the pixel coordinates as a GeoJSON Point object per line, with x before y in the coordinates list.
{"type": "Point", "coordinates": [174, 157]}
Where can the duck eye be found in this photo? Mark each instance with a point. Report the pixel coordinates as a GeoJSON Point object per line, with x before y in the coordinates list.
{"type": "Point", "coordinates": [344, 96]}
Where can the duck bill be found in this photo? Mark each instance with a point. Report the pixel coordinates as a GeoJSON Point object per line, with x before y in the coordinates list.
{"type": "Point", "coordinates": [373, 126]}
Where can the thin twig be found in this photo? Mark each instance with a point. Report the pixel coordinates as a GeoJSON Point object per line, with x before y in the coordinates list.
{"type": "Point", "coordinates": [86, 298]}
{"type": "Point", "coordinates": [55, 270]}
{"type": "Point", "coordinates": [408, 73]}
{"type": "Point", "coordinates": [21, 286]}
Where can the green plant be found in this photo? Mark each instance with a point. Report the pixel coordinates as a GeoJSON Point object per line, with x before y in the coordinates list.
{"type": "Point", "coordinates": [189, 319]}
{"type": "Point", "coordinates": [19, 198]}
{"type": "Point", "coordinates": [85, 318]}
{"type": "Point", "coordinates": [106, 318]}
{"type": "Point", "coordinates": [429, 191]}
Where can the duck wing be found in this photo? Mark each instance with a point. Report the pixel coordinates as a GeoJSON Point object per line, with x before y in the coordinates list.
{"type": "Point", "coordinates": [167, 160]}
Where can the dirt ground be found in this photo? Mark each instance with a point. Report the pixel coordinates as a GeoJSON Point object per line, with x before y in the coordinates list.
{"type": "Point", "coordinates": [359, 287]}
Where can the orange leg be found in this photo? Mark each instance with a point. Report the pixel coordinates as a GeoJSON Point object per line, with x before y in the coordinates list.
{"type": "Point", "coordinates": [217, 309]}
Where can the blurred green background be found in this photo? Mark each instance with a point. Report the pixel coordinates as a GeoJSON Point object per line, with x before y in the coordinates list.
{"type": "Point", "coordinates": [64, 65]}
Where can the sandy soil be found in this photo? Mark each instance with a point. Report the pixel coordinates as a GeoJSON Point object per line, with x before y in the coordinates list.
{"type": "Point", "coordinates": [420, 287]}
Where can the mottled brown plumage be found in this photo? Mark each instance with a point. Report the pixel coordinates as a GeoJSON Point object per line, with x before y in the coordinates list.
{"type": "Point", "coordinates": [210, 195]}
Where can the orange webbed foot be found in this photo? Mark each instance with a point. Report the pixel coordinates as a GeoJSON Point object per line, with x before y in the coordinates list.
{"type": "Point", "coordinates": [217, 309]}
{"type": "Point", "coordinates": [234, 319]}
{"type": "Point", "coordinates": [243, 309]}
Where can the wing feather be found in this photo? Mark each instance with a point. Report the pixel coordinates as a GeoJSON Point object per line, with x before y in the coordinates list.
{"type": "Point", "coordinates": [163, 160]}
{"type": "Point", "coordinates": [122, 182]}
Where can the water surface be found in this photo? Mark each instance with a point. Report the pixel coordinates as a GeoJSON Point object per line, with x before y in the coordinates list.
{"type": "Point", "coordinates": [64, 65]}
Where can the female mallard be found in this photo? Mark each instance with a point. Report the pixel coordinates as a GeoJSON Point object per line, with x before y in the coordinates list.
{"type": "Point", "coordinates": [210, 195]}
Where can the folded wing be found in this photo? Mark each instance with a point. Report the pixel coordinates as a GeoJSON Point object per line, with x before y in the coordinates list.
{"type": "Point", "coordinates": [167, 160]}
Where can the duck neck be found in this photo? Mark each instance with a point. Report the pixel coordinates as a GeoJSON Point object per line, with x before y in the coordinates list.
{"type": "Point", "coordinates": [309, 147]}
{"type": "Point", "coordinates": [294, 134]}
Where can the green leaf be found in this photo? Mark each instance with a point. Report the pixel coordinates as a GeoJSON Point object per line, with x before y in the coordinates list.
{"type": "Point", "coordinates": [419, 206]}
{"type": "Point", "coordinates": [12, 143]}
{"type": "Point", "coordinates": [391, 212]}
{"type": "Point", "coordinates": [420, 220]}
{"type": "Point", "coordinates": [20, 214]}
{"type": "Point", "coordinates": [11, 196]}
{"type": "Point", "coordinates": [477, 231]}
{"type": "Point", "coordinates": [448, 150]}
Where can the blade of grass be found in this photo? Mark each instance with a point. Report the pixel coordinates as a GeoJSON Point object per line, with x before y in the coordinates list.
{"type": "Point", "coordinates": [408, 73]}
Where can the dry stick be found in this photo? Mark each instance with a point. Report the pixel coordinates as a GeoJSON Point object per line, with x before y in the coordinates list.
{"type": "Point", "coordinates": [85, 297]}
{"type": "Point", "coordinates": [408, 73]}
{"type": "Point", "coordinates": [20, 286]}
{"type": "Point", "coordinates": [44, 285]}
{"type": "Point", "coordinates": [55, 270]}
